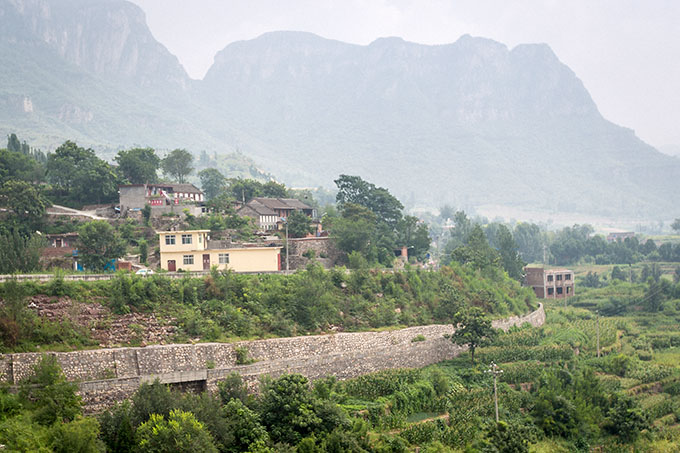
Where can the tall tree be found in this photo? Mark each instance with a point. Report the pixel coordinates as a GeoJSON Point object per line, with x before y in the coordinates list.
{"type": "Point", "coordinates": [414, 235]}
{"type": "Point", "coordinates": [15, 165]}
{"type": "Point", "coordinates": [245, 190]}
{"type": "Point", "coordinates": [212, 182]}
{"type": "Point", "coordinates": [138, 165]}
{"type": "Point", "coordinates": [298, 224]}
{"type": "Point", "coordinates": [178, 164]}
{"type": "Point", "coordinates": [19, 253]}
{"type": "Point", "coordinates": [274, 189]}
{"type": "Point", "coordinates": [529, 239]}
{"type": "Point", "coordinates": [353, 189]}
{"type": "Point", "coordinates": [477, 252]}
{"type": "Point", "coordinates": [507, 248]}
{"type": "Point", "coordinates": [473, 328]}
{"type": "Point", "coordinates": [99, 244]}
{"type": "Point", "coordinates": [26, 204]}
{"type": "Point", "coordinates": [79, 177]}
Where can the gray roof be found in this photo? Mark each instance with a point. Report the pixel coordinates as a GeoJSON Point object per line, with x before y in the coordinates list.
{"type": "Point", "coordinates": [281, 203]}
{"type": "Point", "coordinates": [184, 188]}
{"type": "Point", "coordinates": [258, 207]}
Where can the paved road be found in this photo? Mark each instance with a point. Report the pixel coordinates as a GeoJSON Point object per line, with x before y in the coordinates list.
{"type": "Point", "coordinates": [63, 210]}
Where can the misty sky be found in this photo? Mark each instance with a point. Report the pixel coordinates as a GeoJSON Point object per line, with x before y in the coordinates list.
{"type": "Point", "coordinates": [626, 52]}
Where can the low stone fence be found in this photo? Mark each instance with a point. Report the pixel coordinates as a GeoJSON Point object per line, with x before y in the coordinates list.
{"type": "Point", "coordinates": [109, 375]}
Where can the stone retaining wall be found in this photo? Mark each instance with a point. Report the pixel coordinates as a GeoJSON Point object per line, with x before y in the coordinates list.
{"type": "Point", "coordinates": [109, 375]}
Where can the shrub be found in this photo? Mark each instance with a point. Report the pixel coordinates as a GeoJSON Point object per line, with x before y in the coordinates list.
{"type": "Point", "coordinates": [243, 356]}
{"type": "Point", "coordinates": [80, 435]}
{"type": "Point", "coordinates": [418, 338]}
{"type": "Point", "coordinates": [51, 396]}
{"type": "Point", "coordinates": [180, 433]}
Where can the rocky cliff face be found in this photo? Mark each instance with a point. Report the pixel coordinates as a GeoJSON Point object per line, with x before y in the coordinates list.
{"type": "Point", "coordinates": [469, 123]}
{"type": "Point", "coordinates": [106, 37]}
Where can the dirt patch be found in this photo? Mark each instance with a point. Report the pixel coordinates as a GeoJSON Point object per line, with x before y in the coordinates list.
{"type": "Point", "coordinates": [105, 327]}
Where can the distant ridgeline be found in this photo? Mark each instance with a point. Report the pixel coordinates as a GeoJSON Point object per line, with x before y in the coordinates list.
{"type": "Point", "coordinates": [469, 123]}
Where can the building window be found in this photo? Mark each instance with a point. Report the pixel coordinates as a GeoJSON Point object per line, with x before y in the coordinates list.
{"type": "Point", "coordinates": [186, 239]}
{"type": "Point", "coordinates": [559, 277]}
{"type": "Point", "coordinates": [567, 290]}
{"type": "Point", "coordinates": [200, 238]}
{"type": "Point", "coordinates": [559, 290]}
{"type": "Point", "coordinates": [188, 259]}
{"type": "Point", "coordinates": [550, 278]}
{"type": "Point", "coordinates": [170, 239]}
{"type": "Point", "coordinates": [224, 258]}
{"type": "Point", "coordinates": [550, 291]}
{"type": "Point", "coordinates": [567, 276]}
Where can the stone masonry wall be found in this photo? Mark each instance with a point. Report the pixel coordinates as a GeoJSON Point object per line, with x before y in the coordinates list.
{"type": "Point", "coordinates": [109, 375]}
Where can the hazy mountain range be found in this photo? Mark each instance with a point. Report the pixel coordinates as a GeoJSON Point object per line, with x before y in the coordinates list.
{"type": "Point", "coordinates": [468, 123]}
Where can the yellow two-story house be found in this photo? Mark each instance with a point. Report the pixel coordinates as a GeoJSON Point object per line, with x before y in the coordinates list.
{"type": "Point", "coordinates": [191, 250]}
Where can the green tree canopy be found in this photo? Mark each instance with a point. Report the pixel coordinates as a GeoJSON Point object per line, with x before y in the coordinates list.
{"type": "Point", "coordinates": [477, 253]}
{"type": "Point", "coordinates": [14, 165]}
{"type": "Point", "coordinates": [138, 165]}
{"type": "Point", "coordinates": [415, 235]}
{"type": "Point", "coordinates": [289, 410]}
{"type": "Point", "coordinates": [79, 177]}
{"type": "Point", "coordinates": [473, 328]}
{"type": "Point", "coordinates": [298, 224]}
{"type": "Point", "coordinates": [509, 253]}
{"type": "Point", "coordinates": [99, 243]}
{"type": "Point", "coordinates": [244, 426]}
{"type": "Point", "coordinates": [353, 189]}
{"type": "Point", "coordinates": [245, 190]}
{"type": "Point", "coordinates": [19, 253]}
{"type": "Point", "coordinates": [179, 433]}
{"type": "Point", "coordinates": [51, 395]}
{"type": "Point", "coordinates": [177, 164]}
{"type": "Point", "coordinates": [212, 182]}
{"type": "Point", "coordinates": [273, 189]}
{"type": "Point", "coordinates": [26, 204]}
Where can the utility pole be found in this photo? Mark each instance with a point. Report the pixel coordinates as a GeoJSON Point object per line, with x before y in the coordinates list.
{"type": "Point", "coordinates": [493, 369]}
{"type": "Point", "coordinates": [597, 313]}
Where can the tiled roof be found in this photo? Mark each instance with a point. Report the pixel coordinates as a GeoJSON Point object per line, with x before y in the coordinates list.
{"type": "Point", "coordinates": [281, 203]}
{"type": "Point", "coordinates": [258, 207]}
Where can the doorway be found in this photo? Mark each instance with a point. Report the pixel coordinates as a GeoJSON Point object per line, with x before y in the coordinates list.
{"type": "Point", "coordinates": [206, 262]}
{"type": "Point", "coordinates": [171, 266]}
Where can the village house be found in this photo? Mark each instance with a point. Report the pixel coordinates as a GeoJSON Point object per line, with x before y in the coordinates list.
{"type": "Point", "coordinates": [61, 251]}
{"type": "Point", "coordinates": [192, 250]}
{"type": "Point", "coordinates": [268, 212]}
{"type": "Point", "coordinates": [162, 197]}
{"type": "Point", "coordinates": [550, 283]}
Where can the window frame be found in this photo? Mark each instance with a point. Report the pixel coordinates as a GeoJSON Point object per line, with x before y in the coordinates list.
{"type": "Point", "coordinates": [187, 239]}
{"type": "Point", "coordinates": [221, 256]}
{"type": "Point", "coordinates": [170, 239]}
{"type": "Point", "coordinates": [188, 260]}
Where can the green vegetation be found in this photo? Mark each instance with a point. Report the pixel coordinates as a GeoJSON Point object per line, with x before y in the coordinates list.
{"type": "Point", "coordinates": [516, 244]}
{"type": "Point", "coordinates": [371, 222]}
{"type": "Point", "coordinates": [177, 164]}
{"type": "Point", "coordinates": [138, 165]}
{"type": "Point", "coordinates": [224, 305]}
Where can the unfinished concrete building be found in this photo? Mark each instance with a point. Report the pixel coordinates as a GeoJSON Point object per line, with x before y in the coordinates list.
{"type": "Point", "coordinates": [550, 283]}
